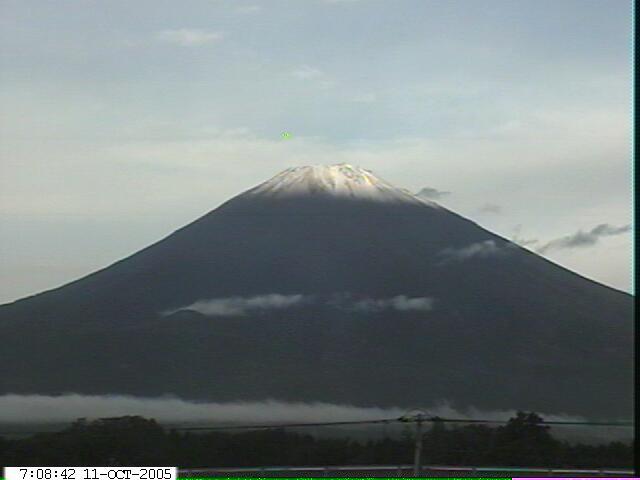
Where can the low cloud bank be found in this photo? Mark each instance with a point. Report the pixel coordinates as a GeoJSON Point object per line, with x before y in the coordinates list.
{"type": "Point", "coordinates": [40, 409]}
{"type": "Point", "coordinates": [68, 407]}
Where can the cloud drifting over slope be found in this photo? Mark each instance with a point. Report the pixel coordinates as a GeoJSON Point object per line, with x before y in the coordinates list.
{"type": "Point", "coordinates": [484, 249]}
{"type": "Point", "coordinates": [583, 239]}
{"type": "Point", "coordinates": [399, 302]}
{"type": "Point", "coordinates": [240, 306]}
{"type": "Point", "coordinates": [432, 193]}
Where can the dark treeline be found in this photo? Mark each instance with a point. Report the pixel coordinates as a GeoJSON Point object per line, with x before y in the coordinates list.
{"type": "Point", "coordinates": [135, 440]}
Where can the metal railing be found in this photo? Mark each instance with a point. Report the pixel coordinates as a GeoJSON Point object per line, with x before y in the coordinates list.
{"type": "Point", "coordinates": [395, 470]}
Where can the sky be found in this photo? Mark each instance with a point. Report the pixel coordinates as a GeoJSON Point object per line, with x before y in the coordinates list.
{"type": "Point", "coordinates": [122, 121]}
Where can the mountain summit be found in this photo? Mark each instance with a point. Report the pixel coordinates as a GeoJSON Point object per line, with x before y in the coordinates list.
{"type": "Point", "coordinates": [328, 284]}
{"type": "Point", "coordinates": [341, 180]}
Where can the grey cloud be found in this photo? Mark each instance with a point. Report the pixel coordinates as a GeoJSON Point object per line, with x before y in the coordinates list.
{"type": "Point", "coordinates": [238, 306]}
{"type": "Point", "coordinates": [583, 239]}
{"type": "Point", "coordinates": [44, 408]}
{"type": "Point", "coordinates": [523, 242]}
{"type": "Point", "coordinates": [432, 193]}
{"type": "Point", "coordinates": [517, 239]}
{"type": "Point", "coordinates": [491, 208]}
{"type": "Point", "coordinates": [479, 249]}
{"type": "Point", "coordinates": [606, 229]}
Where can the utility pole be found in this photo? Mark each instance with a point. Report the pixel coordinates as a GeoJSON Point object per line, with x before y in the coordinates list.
{"type": "Point", "coordinates": [417, 455]}
{"type": "Point", "coordinates": [419, 417]}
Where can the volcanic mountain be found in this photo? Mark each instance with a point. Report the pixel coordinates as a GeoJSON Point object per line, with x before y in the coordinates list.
{"type": "Point", "coordinates": [329, 284]}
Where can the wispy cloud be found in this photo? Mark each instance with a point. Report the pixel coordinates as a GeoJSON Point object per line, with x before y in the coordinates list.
{"type": "Point", "coordinates": [188, 37]}
{"type": "Point", "coordinates": [307, 72]}
{"type": "Point", "coordinates": [400, 302]}
{"type": "Point", "coordinates": [248, 9]}
{"type": "Point", "coordinates": [432, 193]}
{"type": "Point", "coordinates": [582, 239]}
{"type": "Point", "coordinates": [313, 74]}
{"type": "Point", "coordinates": [517, 239]}
{"type": "Point", "coordinates": [239, 306]}
{"type": "Point", "coordinates": [490, 208]}
{"type": "Point", "coordinates": [484, 249]}
{"type": "Point", "coordinates": [364, 98]}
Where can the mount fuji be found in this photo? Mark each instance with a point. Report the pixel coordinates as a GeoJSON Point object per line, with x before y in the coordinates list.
{"type": "Point", "coordinates": [327, 283]}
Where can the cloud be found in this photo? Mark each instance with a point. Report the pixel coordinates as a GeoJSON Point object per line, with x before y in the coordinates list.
{"type": "Point", "coordinates": [400, 302]}
{"type": "Point", "coordinates": [171, 410]}
{"type": "Point", "coordinates": [306, 72]}
{"type": "Point", "coordinates": [484, 249]}
{"type": "Point", "coordinates": [187, 37]}
{"type": "Point", "coordinates": [364, 98]}
{"type": "Point", "coordinates": [490, 208]}
{"type": "Point", "coordinates": [582, 239]}
{"type": "Point", "coordinates": [248, 9]}
{"type": "Point", "coordinates": [239, 306]}
{"type": "Point", "coordinates": [517, 239]}
{"type": "Point", "coordinates": [68, 407]}
{"type": "Point", "coordinates": [313, 74]}
{"type": "Point", "coordinates": [432, 193]}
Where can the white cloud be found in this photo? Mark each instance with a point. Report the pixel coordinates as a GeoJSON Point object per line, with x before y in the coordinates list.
{"type": "Point", "coordinates": [239, 306]}
{"type": "Point", "coordinates": [187, 37]}
{"type": "Point", "coordinates": [479, 249]}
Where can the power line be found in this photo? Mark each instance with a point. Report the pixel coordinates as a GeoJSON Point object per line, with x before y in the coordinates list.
{"type": "Point", "coordinates": [393, 420]}
{"type": "Point", "coordinates": [357, 422]}
{"type": "Point", "coordinates": [286, 425]}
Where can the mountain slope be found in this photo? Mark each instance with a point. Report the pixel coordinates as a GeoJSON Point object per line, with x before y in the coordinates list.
{"type": "Point", "coordinates": [497, 327]}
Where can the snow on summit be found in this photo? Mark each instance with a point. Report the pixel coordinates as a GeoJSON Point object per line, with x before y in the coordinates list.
{"type": "Point", "coordinates": [341, 180]}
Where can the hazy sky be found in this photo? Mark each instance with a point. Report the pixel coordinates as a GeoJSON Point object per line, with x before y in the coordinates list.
{"type": "Point", "coordinates": [121, 121]}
